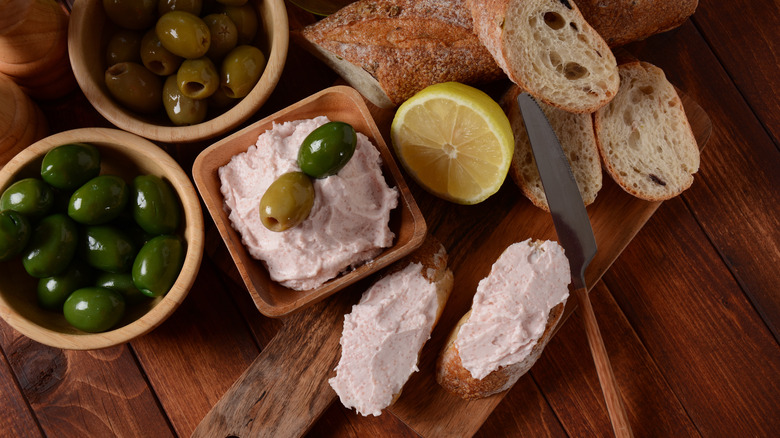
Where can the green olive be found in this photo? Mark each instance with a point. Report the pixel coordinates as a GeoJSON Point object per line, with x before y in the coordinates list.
{"type": "Point", "coordinates": [155, 205]}
{"type": "Point", "coordinates": [107, 248]}
{"type": "Point", "coordinates": [157, 265]}
{"type": "Point", "coordinates": [157, 58]}
{"type": "Point", "coordinates": [68, 166]}
{"type": "Point", "coordinates": [123, 46]}
{"type": "Point", "coordinates": [191, 6]}
{"type": "Point", "coordinates": [181, 109]}
{"type": "Point", "coordinates": [30, 196]}
{"type": "Point", "coordinates": [241, 69]}
{"type": "Point", "coordinates": [224, 35]}
{"type": "Point", "coordinates": [135, 87]}
{"type": "Point", "coordinates": [245, 19]}
{"type": "Point", "coordinates": [287, 202]}
{"type": "Point", "coordinates": [184, 34]}
{"type": "Point", "coordinates": [52, 246]}
{"type": "Point", "coordinates": [54, 290]}
{"type": "Point", "coordinates": [15, 231]}
{"type": "Point", "coordinates": [197, 78]}
{"type": "Point", "coordinates": [327, 149]}
{"type": "Point", "coordinates": [94, 309]}
{"type": "Point", "coordinates": [131, 14]}
{"type": "Point", "coordinates": [122, 283]}
{"type": "Point", "coordinates": [99, 200]}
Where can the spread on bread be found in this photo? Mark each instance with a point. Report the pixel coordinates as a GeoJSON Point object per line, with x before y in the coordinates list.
{"type": "Point", "coordinates": [348, 223]}
{"type": "Point", "coordinates": [514, 312]}
{"type": "Point", "coordinates": [644, 137]}
{"type": "Point", "coordinates": [383, 335]}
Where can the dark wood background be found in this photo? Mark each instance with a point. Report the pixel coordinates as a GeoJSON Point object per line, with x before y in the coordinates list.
{"type": "Point", "coordinates": [690, 311]}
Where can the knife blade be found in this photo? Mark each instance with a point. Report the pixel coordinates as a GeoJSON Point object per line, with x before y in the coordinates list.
{"type": "Point", "coordinates": [575, 235]}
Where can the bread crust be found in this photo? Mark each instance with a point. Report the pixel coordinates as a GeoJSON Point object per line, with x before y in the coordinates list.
{"type": "Point", "coordinates": [453, 377]}
{"type": "Point", "coordinates": [620, 22]}
{"type": "Point", "coordinates": [391, 49]}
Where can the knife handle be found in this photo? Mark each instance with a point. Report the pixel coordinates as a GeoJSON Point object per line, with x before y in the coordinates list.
{"type": "Point", "coordinates": [615, 406]}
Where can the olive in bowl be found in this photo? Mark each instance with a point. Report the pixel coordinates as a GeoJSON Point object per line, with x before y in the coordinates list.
{"type": "Point", "coordinates": [91, 29]}
{"type": "Point", "coordinates": [36, 307]}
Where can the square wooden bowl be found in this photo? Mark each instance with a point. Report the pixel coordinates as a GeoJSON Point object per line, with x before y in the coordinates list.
{"type": "Point", "coordinates": [337, 103]}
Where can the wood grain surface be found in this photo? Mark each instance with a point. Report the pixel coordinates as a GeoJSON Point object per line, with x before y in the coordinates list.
{"type": "Point", "coordinates": [689, 310]}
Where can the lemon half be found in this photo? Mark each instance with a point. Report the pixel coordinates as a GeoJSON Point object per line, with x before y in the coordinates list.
{"type": "Point", "coordinates": [455, 141]}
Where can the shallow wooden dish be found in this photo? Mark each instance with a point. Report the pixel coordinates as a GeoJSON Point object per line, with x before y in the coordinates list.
{"type": "Point", "coordinates": [337, 103]}
{"type": "Point", "coordinates": [122, 154]}
{"type": "Point", "coordinates": [88, 34]}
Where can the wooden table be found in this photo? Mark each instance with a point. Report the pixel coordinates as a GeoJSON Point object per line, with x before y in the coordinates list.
{"type": "Point", "coordinates": [690, 311]}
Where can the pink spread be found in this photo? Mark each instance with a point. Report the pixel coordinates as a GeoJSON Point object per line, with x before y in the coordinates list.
{"type": "Point", "coordinates": [510, 308]}
{"type": "Point", "coordinates": [382, 338]}
{"type": "Point", "coordinates": [347, 226]}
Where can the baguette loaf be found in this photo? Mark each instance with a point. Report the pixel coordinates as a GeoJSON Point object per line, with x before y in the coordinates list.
{"type": "Point", "coordinates": [390, 49]}
{"type": "Point", "coordinates": [384, 334]}
{"type": "Point", "coordinates": [509, 324]}
{"type": "Point", "coordinates": [644, 137]}
{"type": "Point", "coordinates": [547, 48]}
{"type": "Point", "coordinates": [574, 131]}
{"type": "Point", "coordinates": [620, 22]}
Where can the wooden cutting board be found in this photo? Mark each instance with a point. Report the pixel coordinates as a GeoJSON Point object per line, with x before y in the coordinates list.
{"type": "Point", "coordinates": [285, 389]}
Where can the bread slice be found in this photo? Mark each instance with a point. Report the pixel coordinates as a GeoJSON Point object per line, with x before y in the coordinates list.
{"type": "Point", "coordinates": [547, 48]}
{"type": "Point", "coordinates": [575, 133]}
{"type": "Point", "coordinates": [620, 22]}
{"type": "Point", "coordinates": [451, 373]}
{"type": "Point", "coordinates": [368, 382]}
{"type": "Point", "coordinates": [390, 49]}
{"type": "Point", "coordinates": [644, 137]}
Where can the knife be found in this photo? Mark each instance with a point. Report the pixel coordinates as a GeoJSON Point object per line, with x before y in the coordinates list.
{"type": "Point", "coordinates": [575, 235]}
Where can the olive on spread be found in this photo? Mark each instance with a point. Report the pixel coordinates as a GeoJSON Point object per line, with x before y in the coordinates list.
{"type": "Point", "coordinates": [327, 149]}
{"type": "Point", "coordinates": [287, 202]}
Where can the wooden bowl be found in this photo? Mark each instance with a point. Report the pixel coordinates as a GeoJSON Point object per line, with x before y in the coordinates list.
{"type": "Point", "coordinates": [122, 154]}
{"type": "Point", "coordinates": [88, 35]}
{"type": "Point", "coordinates": [337, 103]}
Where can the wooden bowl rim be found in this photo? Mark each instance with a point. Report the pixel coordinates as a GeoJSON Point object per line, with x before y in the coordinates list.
{"type": "Point", "coordinates": [126, 120]}
{"type": "Point", "coordinates": [193, 234]}
{"type": "Point", "coordinates": [205, 170]}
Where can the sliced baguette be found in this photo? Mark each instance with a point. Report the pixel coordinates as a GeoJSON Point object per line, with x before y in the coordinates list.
{"type": "Point", "coordinates": [620, 22]}
{"type": "Point", "coordinates": [433, 260]}
{"type": "Point", "coordinates": [644, 137]}
{"type": "Point", "coordinates": [547, 48]}
{"type": "Point", "coordinates": [574, 131]}
{"type": "Point", "coordinates": [455, 378]}
{"type": "Point", "coordinates": [390, 49]}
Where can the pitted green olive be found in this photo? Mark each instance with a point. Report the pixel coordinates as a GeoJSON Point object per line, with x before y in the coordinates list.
{"type": "Point", "coordinates": [155, 205]}
{"type": "Point", "coordinates": [157, 265]}
{"type": "Point", "coordinates": [287, 202]}
{"type": "Point", "coordinates": [107, 248]}
{"type": "Point", "coordinates": [69, 166]}
{"type": "Point", "coordinates": [94, 309]}
{"type": "Point", "coordinates": [224, 35]}
{"type": "Point", "coordinates": [327, 149]}
{"type": "Point", "coordinates": [99, 200]}
{"type": "Point", "coordinates": [157, 58]}
{"type": "Point", "coordinates": [15, 231]}
{"type": "Point", "coordinates": [245, 19]}
{"type": "Point", "coordinates": [30, 196]}
{"type": "Point", "coordinates": [124, 46]}
{"type": "Point", "coordinates": [197, 78]}
{"type": "Point", "coordinates": [184, 34]}
{"type": "Point", "coordinates": [52, 246]}
{"type": "Point", "coordinates": [182, 110]}
{"type": "Point", "coordinates": [135, 87]}
{"type": "Point", "coordinates": [131, 14]}
{"type": "Point", "coordinates": [241, 69]}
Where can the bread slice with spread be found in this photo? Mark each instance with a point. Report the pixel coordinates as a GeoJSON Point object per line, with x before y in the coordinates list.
{"type": "Point", "coordinates": [575, 133]}
{"type": "Point", "coordinates": [514, 314]}
{"type": "Point", "coordinates": [547, 48]}
{"type": "Point", "coordinates": [383, 335]}
{"type": "Point", "coordinates": [644, 137]}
